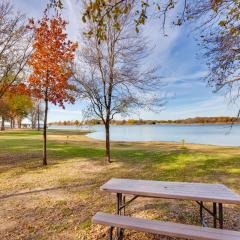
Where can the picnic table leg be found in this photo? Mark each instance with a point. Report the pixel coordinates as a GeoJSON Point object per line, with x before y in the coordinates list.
{"type": "Point", "coordinates": [110, 233]}
{"type": "Point", "coordinates": [201, 213]}
{"type": "Point", "coordinates": [119, 231]}
{"type": "Point", "coordinates": [220, 212]}
{"type": "Point", "coordinates": [214, 215]}
{"type": "Point", "coordinates": [124, 202]}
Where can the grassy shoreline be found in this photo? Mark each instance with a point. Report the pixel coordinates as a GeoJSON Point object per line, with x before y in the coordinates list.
{"type": "Point", "coordinates": [57, 201]}
{"type": "Point", "coordinates": [83, 133]}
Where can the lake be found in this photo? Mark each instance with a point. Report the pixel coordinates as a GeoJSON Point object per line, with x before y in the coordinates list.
{"type": "Point", "coordinates": [221, 135]}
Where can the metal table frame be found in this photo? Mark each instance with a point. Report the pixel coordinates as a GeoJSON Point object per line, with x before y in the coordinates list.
{"type": "Point", "coordinates": [121, 204]}
{"type": "Point", "coordinates": [216, 213]}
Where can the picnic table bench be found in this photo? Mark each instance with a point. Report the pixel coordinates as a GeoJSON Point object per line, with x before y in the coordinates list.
{"type": "Point", "coordinates": [163, 228]}
{"type": "Point", "coordinates": [217, 194]}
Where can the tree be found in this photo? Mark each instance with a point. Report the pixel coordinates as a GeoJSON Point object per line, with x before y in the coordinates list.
{"type": "Point", "coordinates": [51, 63]}
{"type": "Point", "coordinates": [36, 114]}
{"type": "Point", "coordinates": [77, 123]}
{"type": "Point", "coordinates": [15, 105]}
{"type": "Point", "coordinates": [220, 41]}
{"type": "Point", "coordinates": [219, 23]}
{"type": "Point", "coordinates": [111, 76]}
{"type": "Point", "coordinates": [15, 43]}
{"type": "Point", "coordinates": [100, 11]}
{"type": "Point", "coordinates": [18, 106]}
{"type": "Point", "coordinates": [4, 111]}
{"type": "Point", "coordinates": [222, 53]}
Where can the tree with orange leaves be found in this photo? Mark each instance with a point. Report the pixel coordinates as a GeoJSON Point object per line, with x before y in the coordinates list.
{"type": "Point", "coordinates": [51, 63]}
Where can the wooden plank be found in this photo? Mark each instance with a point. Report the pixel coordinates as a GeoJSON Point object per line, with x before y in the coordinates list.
{"type": "Point", "coordinates": [165, 228]}
{"type": "Point", "coordinates": [173, 190]}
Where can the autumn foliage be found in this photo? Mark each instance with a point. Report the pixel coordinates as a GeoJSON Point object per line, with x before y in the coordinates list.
{"type": "Point", "coordinates": [20, 88]}
{"type": "Point", "coordinates": [51, 63]}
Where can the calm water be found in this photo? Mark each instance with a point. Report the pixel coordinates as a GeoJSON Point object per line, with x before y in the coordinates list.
{"type": "Point", "coordinates": [204, 134]}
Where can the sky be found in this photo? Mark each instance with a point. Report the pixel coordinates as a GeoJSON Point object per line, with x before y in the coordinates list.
{"type": "Point", "coordinates": [181, 66]}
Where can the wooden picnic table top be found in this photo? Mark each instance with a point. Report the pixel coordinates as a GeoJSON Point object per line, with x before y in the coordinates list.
{"type": "Point", "coordinates": [173, 190]}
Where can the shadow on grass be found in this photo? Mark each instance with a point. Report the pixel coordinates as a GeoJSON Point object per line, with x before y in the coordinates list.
{"type": "Point", "coordinates": [45, 190]}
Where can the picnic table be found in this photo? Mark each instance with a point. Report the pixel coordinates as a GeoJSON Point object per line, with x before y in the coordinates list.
{"type": "Point", "coordinates": [217, 194]}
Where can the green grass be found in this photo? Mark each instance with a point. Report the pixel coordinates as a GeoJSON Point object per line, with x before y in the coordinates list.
{"type": "Point", "coordinates": [57, 201]}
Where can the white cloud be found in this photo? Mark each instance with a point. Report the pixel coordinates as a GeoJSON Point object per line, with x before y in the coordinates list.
{"type": "Point", "coordinates": [214, 106]}
{"type": "Point", "coordinates": [160, 44]}
{"type": "Point", "coordinates": [73, 14]}
{"type": "Point", "coordinates": [192, 76]}
{"type": "Point", "coordinates": [65, 111]}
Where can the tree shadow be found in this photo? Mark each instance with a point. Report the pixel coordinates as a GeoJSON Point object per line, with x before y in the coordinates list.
{"type": "Point", "coordinates": [69, 186]}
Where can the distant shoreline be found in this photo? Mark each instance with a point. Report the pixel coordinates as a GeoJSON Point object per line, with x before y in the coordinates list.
{"type": "Point", "coordinates": [144, 124]}
{"type": "Point", "coordinates": [226, 120]}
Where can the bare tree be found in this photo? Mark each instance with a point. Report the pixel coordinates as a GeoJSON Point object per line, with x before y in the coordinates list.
{"type": "Point", "coordinates": [36, 114]}
{"type": "Point", "coordinates": [113, 75]}
{"type": "Point", "coordinates": [15, 46]}
{"type": "Point", "coordinates": [223, 55]}
{"type": "Point", "coordinates": [219, 23]}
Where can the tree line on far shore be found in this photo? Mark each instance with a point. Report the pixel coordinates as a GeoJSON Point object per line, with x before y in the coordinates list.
{"type": "Point", "coordinates": [196, 120]}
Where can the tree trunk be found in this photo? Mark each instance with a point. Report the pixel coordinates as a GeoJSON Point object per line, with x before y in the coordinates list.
{"type": "Point", "coordinates": [107, 131]}
{"type": "Point", "coordinates": [38, 117]}
{"type": "Point", "coordinates": [12, 124]}
{"type": "Point", "coordinates": [3, 124]}
{"type": "Point", "coordinates": [19, 122]}
{"type": "Point", "coordinates": [45, 134]}
{"type": "Point", "coordinates": [32, 123]}
{"type": "Point", "coordinates": [33, 120]}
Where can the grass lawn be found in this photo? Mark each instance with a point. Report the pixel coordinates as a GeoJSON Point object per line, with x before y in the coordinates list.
{"type": "Point", "coordinates": [58, 201]}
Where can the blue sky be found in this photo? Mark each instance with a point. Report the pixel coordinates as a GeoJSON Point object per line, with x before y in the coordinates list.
{"type": "Point", "coordinates": [180, 64]}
